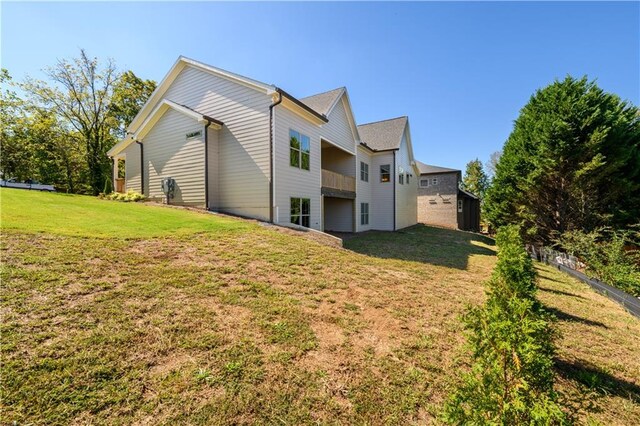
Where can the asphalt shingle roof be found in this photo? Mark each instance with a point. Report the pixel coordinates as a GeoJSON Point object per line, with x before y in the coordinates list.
{"type": "Point", "coordinates": [321, 102]}
{"type": "Point", "coordinates": [382, 135]}
{"type": "Point", "coordinates": [427, 168]}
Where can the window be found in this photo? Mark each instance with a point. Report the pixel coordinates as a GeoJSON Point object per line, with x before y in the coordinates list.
{"type": "Point", "coordinates": [408, 176]}
{"type": "Point", "coordinates": [364, 171]}
{"type": "Point", "coordinates": [300, 211]}
{"type": "Point", "coordinates": [424, 182]}
{"type": "Point", "coordinates": [299, 148]}
{"type": "Point", "coordinates": [364, 213]}
{"type": "Point", "coordinates": [401, 179]}
{"type": "Point", "coordinates": [459, 206]}
{"type": "Point", "coordinates": [385, 173]}
{"type": "Point", "coordinates": [434, 181]}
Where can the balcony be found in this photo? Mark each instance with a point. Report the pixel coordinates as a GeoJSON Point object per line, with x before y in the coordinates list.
{"type": "Point", "coordinates": [338, 185]}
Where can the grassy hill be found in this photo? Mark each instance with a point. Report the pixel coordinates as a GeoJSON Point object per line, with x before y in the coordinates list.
{"type": "Point", "coordinates": [130, 313]}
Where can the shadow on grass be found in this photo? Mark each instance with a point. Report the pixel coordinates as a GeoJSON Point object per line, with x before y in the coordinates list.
{"type": "Point", "coordinates": [421, 243]}
{"type": "Point", "coordinates": [559, 292]}
{"type": "Point", "coordinates": [596, 380]}
{"type": "Point", "coordinates": [564, 316]}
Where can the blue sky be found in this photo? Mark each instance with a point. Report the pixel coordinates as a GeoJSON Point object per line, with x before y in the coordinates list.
{"type": "Point", "coordinates": [460, 71]}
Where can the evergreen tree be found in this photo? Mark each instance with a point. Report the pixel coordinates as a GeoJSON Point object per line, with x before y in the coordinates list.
{"type": "Point", "coordinates": [571, 162]}
{"type": "Point", "coordinates": [511, 380]}
{"type": "Point", "coordinates": [475, 179]}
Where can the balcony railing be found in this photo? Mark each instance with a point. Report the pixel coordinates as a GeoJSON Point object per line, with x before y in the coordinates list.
{"type": "Point", "coordinates": [337, 181]}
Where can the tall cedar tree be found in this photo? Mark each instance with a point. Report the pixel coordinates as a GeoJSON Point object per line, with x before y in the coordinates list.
{"type": "Point", "coordinates": [475, 179]}
{"type": "Point", "coordinates": [511, 379]}
{"type": "Point", "coordinates": [571, 162]}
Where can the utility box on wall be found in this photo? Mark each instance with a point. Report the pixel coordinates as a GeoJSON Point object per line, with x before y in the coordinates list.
{"type": "Point", "coordinates": [168, 188]}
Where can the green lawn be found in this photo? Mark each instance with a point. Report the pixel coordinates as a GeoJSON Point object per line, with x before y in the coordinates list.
{"type": "Point", "coordinates": [80, 215]}
{"type": "Point", "coordinates": [119, 313]}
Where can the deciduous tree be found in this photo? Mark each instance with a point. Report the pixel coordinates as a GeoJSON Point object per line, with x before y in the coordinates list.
{"type": "Point", "coordinates": [129, 95]}
{"type": "Point", "coordinates": [79, 94]}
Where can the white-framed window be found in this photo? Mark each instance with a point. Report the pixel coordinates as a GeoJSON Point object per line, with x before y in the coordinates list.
{"type": "Point", "coordinates": [300, 211]}
{"type": "Point", "coordinates": [401, 178]}
{"type": "Point", "coordinates": [299, 150]}
{"type": "Point", "coordinates": [424, 182]}
{"type": "Point", "coordinates": [364, 213]}
{"type": "Point", "coordinates": [459, 206]}
{"type": "Point", "coordinates": [434, 181]}
{"type": "Point", "coordinates": [364, 171]}
{"type": "Point", "coordinates": [385, 173]}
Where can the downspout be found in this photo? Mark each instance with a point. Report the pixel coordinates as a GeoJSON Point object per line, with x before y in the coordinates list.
{"type": "Point", "coordinates": [141, 167]}
{"type": "Point", "coordinates": [273, 104]}
{"type": "Point", "coordinates": [394, 190]}
{"type": "Point", "coordinates": [206, 165]}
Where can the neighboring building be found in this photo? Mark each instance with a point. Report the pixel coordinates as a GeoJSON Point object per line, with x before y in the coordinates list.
{"type": "Point", "coordinates": [240, 146]}
{"type": "Point", "coordinates": [441, 202]}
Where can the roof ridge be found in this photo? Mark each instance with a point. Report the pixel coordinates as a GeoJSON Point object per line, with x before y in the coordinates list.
{"type": "Point", "coordinates": [382, 121]}
{"type": "Point", "coordinates": [325, 92]}
{"type": "Point", "coordinates": [187, 59]}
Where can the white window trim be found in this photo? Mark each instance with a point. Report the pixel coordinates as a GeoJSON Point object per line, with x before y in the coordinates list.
{"type": "Point", "coordinates": [364, 169]}
{"type": "Point", "coordinates": [299, 150]}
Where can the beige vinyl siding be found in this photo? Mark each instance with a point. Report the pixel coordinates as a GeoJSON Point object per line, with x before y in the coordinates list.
{"type": "Point", "coordinates": [292, 181]}
{"type": "Point", "coordinates": [132, 168]}
{"type": "Point", "coordinates": [381, 205]}
{"type": "Point", "coordinates": [242, 177]}
{"type": "Point", "coordinates": [337, 130]}
{"type": "Point", "coordinates": [213, 166]}
{"type": "Point", "coordinates": [363, 189]}
{"type": "Point", "coordinates": [338, 161]}
{"type": "Point", "coordinates": [168, 153]}
{"type": "Point", "coordinates": [406, 195]}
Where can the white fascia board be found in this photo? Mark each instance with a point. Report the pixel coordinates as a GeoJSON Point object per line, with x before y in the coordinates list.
{"type": "Point", "coordinates": [157, 113]}
{"type": "Point", "coordinates": [351, 117]}
{"type": "Point", "coordinates": [249, 82]}
{"type": "Point", "coordinates": [153, 118]}
{"type": "Point", "coordinates": [344, 97]}
{"type": "Point", "coordinates": [117, 148]}
{"type": "Point", "coordinates": [156, 95]}
{"type": "Point", "coordinates": [335, 102]}
{"type": "Point", "coordinates": [412, 159]}
{"type": "Point", "coordinates": [175, 70]}
{"type": "Point", "coordinates": [297, 109]}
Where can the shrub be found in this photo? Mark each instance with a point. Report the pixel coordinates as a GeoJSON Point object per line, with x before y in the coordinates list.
{"type": "Point", "coordinates": [130, 195]}
{"type": "Point", "coordinates": [510, 336]}
{"type": "Point", "coordinates": [610, 255]}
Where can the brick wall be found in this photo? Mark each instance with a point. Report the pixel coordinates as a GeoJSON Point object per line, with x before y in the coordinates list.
{"type": "Point", "coordinates": [437, 204]}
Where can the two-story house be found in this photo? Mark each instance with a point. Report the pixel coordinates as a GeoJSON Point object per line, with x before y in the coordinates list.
{"type": "Point", "coordinates": [442, 202]}
{"type": "Point", "coordinates": [236, 145]}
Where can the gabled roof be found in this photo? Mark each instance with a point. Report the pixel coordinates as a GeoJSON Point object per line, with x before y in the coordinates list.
{"type": "Point", "coordinates": [325, 101]}
{"type": "Point", "coordinates": [427, 169]}
{"type": "Point", "coordinates": [293, 101]}
{"type": "Point", "coordinates": [173, 73]}
{"type": "Point", "coordinates": [468, 194]}
{"type": "Point", "coordinates": [184, 62]}
{"type": "Point", "coordinates": [383, 135]}
{"type": "Point", "coordinates": [155, 115]}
